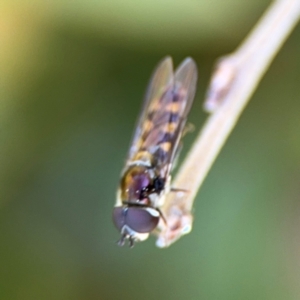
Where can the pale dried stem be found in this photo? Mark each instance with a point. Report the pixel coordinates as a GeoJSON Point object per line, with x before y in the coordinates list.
{"type": "Point", "coordinates": [231, 87]}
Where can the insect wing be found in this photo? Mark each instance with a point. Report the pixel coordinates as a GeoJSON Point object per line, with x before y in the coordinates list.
{"type": "Point", "coordinates": [166, 122]}
{"type": "Point", "coordinates": [185, 83]}
{"type": "Point", "coordinates": [161, 80]}
{"type": "Point", "coordinates": [168, 102]}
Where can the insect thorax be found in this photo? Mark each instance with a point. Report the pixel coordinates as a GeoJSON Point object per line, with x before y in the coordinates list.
{"type": "Point", "coordinates": [141, 184]}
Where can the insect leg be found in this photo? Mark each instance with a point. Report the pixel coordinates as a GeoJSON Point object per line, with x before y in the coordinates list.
{"type": "Point", "coordinates": [176, 190]}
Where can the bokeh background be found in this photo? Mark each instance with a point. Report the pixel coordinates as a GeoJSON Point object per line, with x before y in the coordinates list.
{"type": "Point", "coordinates": [73, 74]}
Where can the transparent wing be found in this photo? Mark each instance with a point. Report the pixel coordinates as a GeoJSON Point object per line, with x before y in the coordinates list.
{"type": "Point", "coordinates": [171, 118]}
{"type": "Point", "coordinates": [164, 115]}
{"type": "Point", "coordinates": [186, 76]}
{"type": "Point", "coordinates": [162, 79]}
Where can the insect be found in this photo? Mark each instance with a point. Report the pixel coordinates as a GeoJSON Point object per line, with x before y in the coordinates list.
{"type": "Point", "coordinates": [145, 179]}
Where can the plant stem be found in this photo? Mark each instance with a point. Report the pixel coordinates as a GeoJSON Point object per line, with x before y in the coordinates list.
{"type": "Point", "coordinates": [232, 84]}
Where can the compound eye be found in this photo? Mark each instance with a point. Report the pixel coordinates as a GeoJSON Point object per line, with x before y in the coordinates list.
{"type": "Point", "coordinates": [119, 216]}
{"type": "Point", "coordinates": [142, 220]}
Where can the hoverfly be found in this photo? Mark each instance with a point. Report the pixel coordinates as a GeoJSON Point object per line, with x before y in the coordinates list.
{"type": "Point", "coordinates": [145, 180]}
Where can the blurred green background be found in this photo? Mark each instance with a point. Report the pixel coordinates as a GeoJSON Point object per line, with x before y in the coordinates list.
{"type": "Point", "coordinates": [73, 74]}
